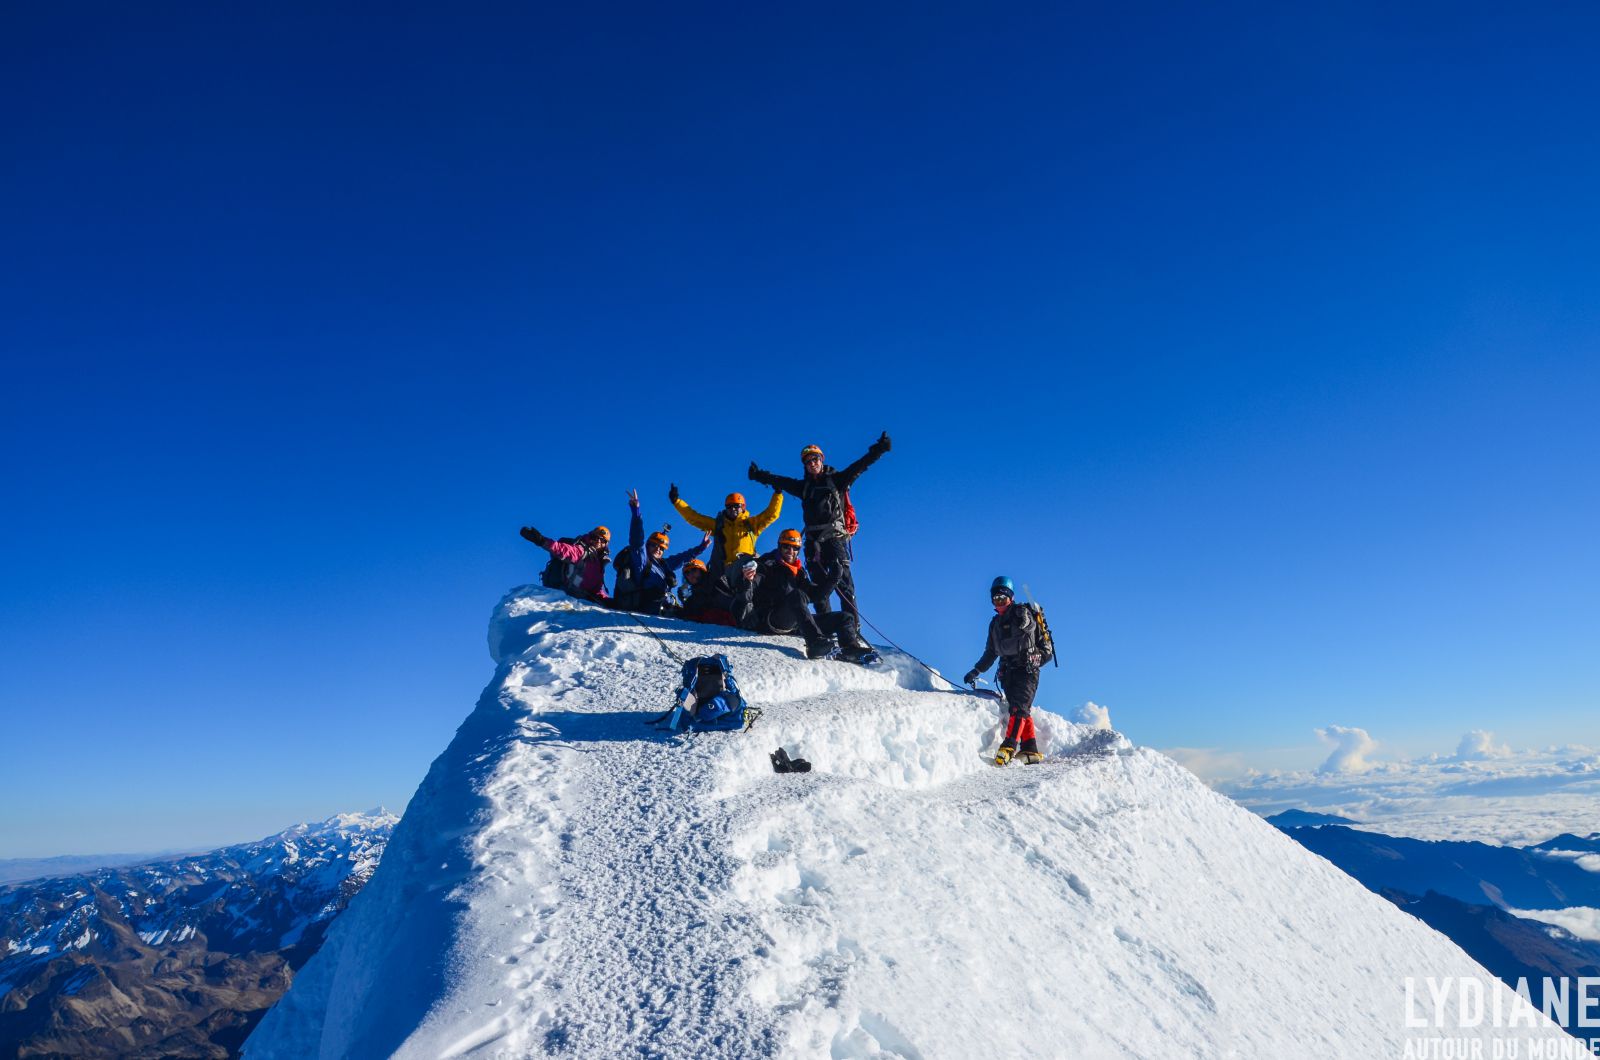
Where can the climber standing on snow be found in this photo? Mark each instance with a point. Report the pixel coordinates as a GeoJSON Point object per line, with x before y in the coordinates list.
{"type": "Point", "coordinates": [577, 564]}
{"type": "Point", "coordinates": [1017, 639]}
{"type": "Point", "coordinates": [645, 573]}
{"type": "Point", "coordinates": [733, 530]}
{"type": "Point", "coordinates": [830, 519]}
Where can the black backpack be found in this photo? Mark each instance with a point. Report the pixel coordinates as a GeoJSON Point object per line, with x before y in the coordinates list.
{"type": "Point", "coordinates": [558, 571]}
{"type": "Point", "coordinates": [1042, 638]}
{"type": "Point", "coordinates": [626, 592]}
{"type": "Point", "coordinates": [565, 574]}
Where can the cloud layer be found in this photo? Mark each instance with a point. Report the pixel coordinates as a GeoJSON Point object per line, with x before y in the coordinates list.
{"type": "Point", "coordinates": [1485, 791]}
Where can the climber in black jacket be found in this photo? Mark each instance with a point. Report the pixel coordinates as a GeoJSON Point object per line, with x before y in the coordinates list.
{"type": "Point", "coordinates": [782, 592]}
{"type": "Point", "coordinates": [830, 519]}
{"type": "Point", "coordinates": [1016, 639]}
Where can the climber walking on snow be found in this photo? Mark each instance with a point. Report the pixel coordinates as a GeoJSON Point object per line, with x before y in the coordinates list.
{"type": "Point", "coordinates": [830, 519]}
{"type": "Point", "coordinates": [1019, 638]}
{"type": "Point", "coordinates": [733, 530]}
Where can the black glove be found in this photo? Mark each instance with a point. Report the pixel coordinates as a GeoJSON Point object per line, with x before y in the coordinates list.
{"type": "Point", "coordinates": [971, 678]}
{"type": "Point", "coordinates": [754, 470]}
{"type": "Point", "coordinates": [672, 494]}
{"type": "Point", "coordinates": [533, 535]}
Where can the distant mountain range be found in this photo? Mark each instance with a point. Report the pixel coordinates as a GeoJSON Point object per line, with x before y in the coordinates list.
{"type": "Point", "coordinates": [177, 956]}
{"type": "Point", "coordinates": [1477, 873]}
{"type": "Point", "coordinates": [21, 870]}
{"type": "Point", "coordinates": [1298, 818]}
{"type": "Point", "coordinates": [1464, 891]}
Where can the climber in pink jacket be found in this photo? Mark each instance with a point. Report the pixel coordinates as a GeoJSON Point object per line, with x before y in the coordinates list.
{"type": "Point", "coordinates": [577, 564]}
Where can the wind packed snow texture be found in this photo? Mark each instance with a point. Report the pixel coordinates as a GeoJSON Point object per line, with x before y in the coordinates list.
{"type": "Point", "coordinates": [567, 882]}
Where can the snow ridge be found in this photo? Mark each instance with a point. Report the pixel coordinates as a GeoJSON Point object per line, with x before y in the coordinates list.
{"type": "Point", "coordinates": [567, 882]}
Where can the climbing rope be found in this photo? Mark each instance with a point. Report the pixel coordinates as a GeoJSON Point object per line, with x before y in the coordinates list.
{"type": "Point", "coordinates": [901, 650]}
{"type": "Point", "coordinates": [656, 635]}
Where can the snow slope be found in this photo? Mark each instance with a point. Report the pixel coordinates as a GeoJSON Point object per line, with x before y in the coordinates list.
{"type": "Point", "coordinates": [567, 882]}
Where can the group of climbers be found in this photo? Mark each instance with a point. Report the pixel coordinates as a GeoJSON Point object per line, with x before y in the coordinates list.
{"type": "Point", "coordinates": [788, 590]}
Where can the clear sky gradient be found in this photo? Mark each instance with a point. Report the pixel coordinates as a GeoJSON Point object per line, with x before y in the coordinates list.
{"type": "Point", "coordinates": [1263, 343]}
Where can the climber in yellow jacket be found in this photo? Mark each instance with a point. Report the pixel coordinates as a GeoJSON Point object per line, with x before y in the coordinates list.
{"type": "Point", "coordinates": [733, 530]}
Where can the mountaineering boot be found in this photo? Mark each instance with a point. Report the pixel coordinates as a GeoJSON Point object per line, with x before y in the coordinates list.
{"type": "Point", "coordinates": [1032, 758]}
{"type": "Point", "coordinates": [860, 653]}
{"type": "Point", "coordinates": [821, 649]}
{"type": "Point", "coordinates": [1003, 756]}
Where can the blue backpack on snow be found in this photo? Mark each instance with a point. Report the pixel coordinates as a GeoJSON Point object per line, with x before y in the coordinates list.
{"type": "Point", "coordinates": [708, 700]}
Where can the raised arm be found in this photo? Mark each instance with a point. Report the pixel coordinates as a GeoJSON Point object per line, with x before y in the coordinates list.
{"type": "Point", "coordinates": [692, 517]}
{"type": "Point", "coordinates": [769, 514]}
{"type": "Point", "coordinates": [562, 550]}
{"type": "Point", "coordinates": [676, 561]}
{"type": "Point", "coordinates": [636, 556]}
{"type": "Point", "coordinates": [776, 482]}
{"type": "Point", "coordinates": [851, 473]}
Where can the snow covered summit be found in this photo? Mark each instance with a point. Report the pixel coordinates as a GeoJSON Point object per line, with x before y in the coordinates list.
{"type": "Point", "coordinates": [568, 882]}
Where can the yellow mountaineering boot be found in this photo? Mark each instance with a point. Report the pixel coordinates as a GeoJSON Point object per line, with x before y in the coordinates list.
{"type": "Point", "coordinates": [1003, 756]}
{"type": "Point", "coordinates": [1032, 758]}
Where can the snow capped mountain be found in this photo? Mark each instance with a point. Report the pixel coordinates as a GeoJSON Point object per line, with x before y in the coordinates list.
{"type": "Point", "coordinates": [568, 882]}
{"type": "Point", "coordinates": [175, 956]}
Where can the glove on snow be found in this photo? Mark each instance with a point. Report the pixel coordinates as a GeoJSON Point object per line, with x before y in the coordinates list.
{"type": "Point", "coordinates": [971, 678]}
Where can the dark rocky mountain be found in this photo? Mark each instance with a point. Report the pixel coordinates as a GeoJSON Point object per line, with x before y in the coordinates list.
{"type": "Point", "coordinates": [179, 957]}
{"type": "Point", "coordinates": [1476, 873]}
{"type": "Point", "coordinates": [1300, 818]}
{"type": "Point", "coordinates": [1509, 946]}
{"type": "Point", "coordinates": [1567, 841]}
{"type": "Point", "coordinates": [1463, 891]}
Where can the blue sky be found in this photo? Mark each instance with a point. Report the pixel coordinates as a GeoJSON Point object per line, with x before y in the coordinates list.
{"type": "Point", "coordinates": [1261, 343]}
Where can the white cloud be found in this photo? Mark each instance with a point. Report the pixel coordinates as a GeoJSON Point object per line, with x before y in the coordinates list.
{"type": "Point", "coordinates": [1350, 750]}
{"type": "Point", "coordinates": [1583, 859]}
{"type": "Point", "coordinates": [1580, 920]}
{"type": "Point", "coordinates": [1519, 798]}
{"type": "Point", "coordinates": [1479, 746]}
{"type": "Point", "coordinates": [1093, 714]}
